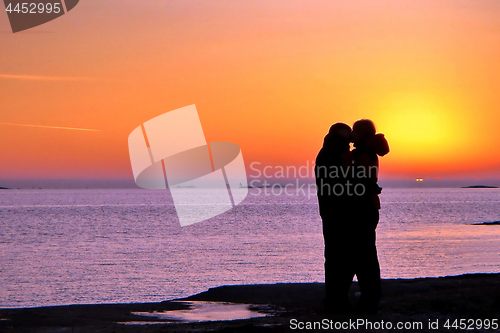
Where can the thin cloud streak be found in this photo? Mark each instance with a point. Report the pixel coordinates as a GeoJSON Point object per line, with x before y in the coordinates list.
{"type": "Point", "coordinates": [53, 127]}
{"type": "Point", "coordinates": [44, 78]}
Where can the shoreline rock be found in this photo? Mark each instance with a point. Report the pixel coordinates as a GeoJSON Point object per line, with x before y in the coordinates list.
{"type": "Point", "coordinates": [451, 297]}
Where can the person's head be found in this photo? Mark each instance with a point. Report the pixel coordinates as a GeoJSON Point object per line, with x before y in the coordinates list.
{"type": "Point", "coordinates": [363, 129]}
{"type": "Point", "coordinates": [339, 136]}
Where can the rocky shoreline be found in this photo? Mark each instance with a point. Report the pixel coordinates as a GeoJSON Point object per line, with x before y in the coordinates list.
{"type": "Point", "coordinates": [284, 307]}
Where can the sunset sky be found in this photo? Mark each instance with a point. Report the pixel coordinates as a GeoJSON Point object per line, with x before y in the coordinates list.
{"type": "Point", "coordinates": [270, 76]}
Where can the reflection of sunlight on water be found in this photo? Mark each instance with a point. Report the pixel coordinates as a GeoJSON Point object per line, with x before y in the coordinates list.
{"type": "Point", "coordinates": [427, 250]}
{"type": "Point", "coordinates": [205, 311]}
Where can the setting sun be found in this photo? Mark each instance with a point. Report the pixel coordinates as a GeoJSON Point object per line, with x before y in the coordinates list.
{"type": "Point", "coordinates": [419, 125]}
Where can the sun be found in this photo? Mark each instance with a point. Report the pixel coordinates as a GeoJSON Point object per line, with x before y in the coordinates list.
{"type": "Point", "coordinates": [418, 124]}
{"type": "Point", "coordinates": [418, 127]}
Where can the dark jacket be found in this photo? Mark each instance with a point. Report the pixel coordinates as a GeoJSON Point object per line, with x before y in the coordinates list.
{"type": "Point", "coordinates": [331, 160]}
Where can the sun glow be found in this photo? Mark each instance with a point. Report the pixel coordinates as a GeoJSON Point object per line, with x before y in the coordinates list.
{"type": "Point", "coordinates": [419, 128]}
{"type": "Point", "coordinates": [420, 125]}
{"type": "Point", "coordinates": [425, 132]}
{"type": "Point", "coordinates": [418, 121]}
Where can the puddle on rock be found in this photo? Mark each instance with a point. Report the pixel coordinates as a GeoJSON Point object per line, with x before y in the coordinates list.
{"type": "Point", "coordinates": [143, 322]}
{"type": "Point", "coordinates": [206, 311]}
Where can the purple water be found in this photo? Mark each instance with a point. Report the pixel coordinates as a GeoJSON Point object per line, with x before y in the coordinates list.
{"type": "Point", "coordinates": [102, 246]}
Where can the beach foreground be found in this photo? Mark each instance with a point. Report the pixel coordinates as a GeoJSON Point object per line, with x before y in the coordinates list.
{"type": "Point", "coordinates": [289, 306]}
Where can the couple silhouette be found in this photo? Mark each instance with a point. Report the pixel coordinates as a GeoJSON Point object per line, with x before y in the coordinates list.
{"type": "Point", "coordinates": [348, 197]}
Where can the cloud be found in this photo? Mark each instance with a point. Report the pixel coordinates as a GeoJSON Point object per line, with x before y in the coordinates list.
{"type": "Point", "coordinates": [53, 127]}
{"type": "Point", "coordinates": [44, 78]}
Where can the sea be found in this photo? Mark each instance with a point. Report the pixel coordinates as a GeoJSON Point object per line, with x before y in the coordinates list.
{"type": "Point", "coordinates": [60, 247]}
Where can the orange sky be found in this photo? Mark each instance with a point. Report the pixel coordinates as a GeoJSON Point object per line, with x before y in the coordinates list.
{"type": "Point", "coordinates": [271, 76]}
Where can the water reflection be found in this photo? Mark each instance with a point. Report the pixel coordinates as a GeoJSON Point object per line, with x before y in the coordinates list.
{"type": "Point", "coordinates": [206, 311]}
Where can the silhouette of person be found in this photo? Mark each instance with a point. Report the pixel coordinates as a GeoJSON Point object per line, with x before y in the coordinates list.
{"type": "Point", "coordinates": [365, 215]}
{"type": "Point", "coordinates": [335, 208]}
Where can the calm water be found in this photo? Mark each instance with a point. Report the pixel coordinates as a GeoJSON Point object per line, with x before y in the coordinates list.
{"type": "Point", "coordinates": [100, 246]}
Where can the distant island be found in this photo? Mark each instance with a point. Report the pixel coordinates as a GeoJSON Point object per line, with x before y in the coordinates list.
{"type": "Point", "coordinates": [4, 188]}
{"type": "Point", "coordinates": [480, 186]}
{"type": "Point", "coordinates": [488, 223]}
